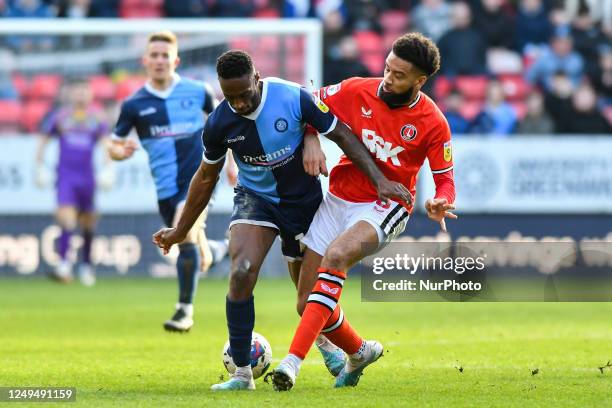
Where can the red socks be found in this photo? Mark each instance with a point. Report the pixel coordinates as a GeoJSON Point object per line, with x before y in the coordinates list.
{"type": "Point", "coordinates": [322, 312]}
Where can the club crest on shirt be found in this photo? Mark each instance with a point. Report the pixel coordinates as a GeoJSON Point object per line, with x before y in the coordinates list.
{"type": "Point", "coordinates": [187, 103]}
{"type": "Point", "coordinates": [408, 132]}
{"type": "Point", "coordinates": [448, 152]}
{"type": "Point", "coordinates": [281, 125]}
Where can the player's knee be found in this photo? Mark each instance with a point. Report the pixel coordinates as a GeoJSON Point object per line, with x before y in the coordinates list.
{"type": "Point", "coordinates": [241, 279]}
{"type": "Point", "coordinates": [335, 257]}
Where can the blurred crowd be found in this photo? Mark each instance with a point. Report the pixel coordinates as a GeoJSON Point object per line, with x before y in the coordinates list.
{"type": "Point", "coordinates": [508, 66]}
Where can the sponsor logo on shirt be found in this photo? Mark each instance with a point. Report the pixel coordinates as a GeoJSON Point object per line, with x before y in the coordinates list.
{"type": "Point", "coordinates": [268, 158]}
{"type": "Point", "coordinates": [448, 152]}
{"type": "Point", "coordinates": [383, 150]}
{"type": "Point", "coordinates": [171, 130]}
{"type": "Point", "coordinates": [366, 113]}
{"type": "Point", "coordinates": [149, 111]}
{"type": "Point", "coordinates": [239, 138]}
{"type": "Point", "coordinates": [333, 89]}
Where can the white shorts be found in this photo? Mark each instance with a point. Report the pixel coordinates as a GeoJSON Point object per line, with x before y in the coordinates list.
{"type": "Point", "coordinates": [336, 215]}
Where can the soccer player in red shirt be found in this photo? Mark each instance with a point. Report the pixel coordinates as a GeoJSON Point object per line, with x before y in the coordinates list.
{"type": "Point", "coordinates": [401, 126]}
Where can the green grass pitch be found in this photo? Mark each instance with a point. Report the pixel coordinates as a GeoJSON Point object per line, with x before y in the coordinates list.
{"type": "Point", "coordinates": [108, 342]}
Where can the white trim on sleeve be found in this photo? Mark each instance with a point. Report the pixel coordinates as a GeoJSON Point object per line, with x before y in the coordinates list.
{"type": "Point", "coordinates": [332, 127]}
{"type": "Point", "coordinates": [442, 171]}
{"type": "Point", "coordinates": [208, 161]}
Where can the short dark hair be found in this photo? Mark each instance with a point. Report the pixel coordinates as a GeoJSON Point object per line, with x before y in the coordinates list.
{"type": "Point", "coordinates": [420, 51]}
{"type": "Point", "coordinates": [234, 64]}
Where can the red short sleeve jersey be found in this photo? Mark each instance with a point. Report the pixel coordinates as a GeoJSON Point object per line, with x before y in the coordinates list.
{"type": "Point", "coordinates": [399, 139]}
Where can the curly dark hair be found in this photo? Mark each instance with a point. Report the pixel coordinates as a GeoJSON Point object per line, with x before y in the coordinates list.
{"type": "Point", "coordinates": [420, 51]}
{"type": "Point", "coordinates": [234, 64]}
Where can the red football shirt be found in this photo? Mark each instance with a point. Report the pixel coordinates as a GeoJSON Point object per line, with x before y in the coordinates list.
{"type": "Point", "coordinates": [399, 139]}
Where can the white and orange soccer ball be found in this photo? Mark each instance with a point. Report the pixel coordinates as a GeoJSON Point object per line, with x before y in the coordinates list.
{"type": "Point", "coordinates": [261, 356]}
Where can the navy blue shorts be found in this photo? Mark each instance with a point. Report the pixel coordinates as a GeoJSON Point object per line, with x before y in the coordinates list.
{"type": "Point", "coordinates": [290, 220]}
{"type": "Point", "coordinates": [167, 206]}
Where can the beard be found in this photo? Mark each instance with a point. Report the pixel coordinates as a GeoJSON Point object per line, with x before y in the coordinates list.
{"type": "Point", "coordinates": [396, 100]}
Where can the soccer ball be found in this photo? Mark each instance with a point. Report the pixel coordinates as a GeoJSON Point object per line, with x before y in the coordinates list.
{"type": "Point", "coordinates": [261, 356]}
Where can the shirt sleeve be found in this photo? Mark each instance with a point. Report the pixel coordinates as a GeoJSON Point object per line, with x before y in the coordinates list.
{"type": "Point", "coordinates": [125, 121]}
{"type": "Point", "coordinates": [440, 151]}
{"type": "Point", "coordinates": [316, 113]}
{"type": "Point", "coordinates": [49, 125]}
{"type": "Point", "coordinates": [214, 148]}
{"type": "Point", "coordinates": [336, 96]}
{"type": "Point", "coordinates": [210, 100]}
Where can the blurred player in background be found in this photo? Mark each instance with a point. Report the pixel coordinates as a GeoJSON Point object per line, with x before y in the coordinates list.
{"type": "Point", "coordinates": [263, 121]}
{"type": "Point", "coordinates": [79, 127]}
{"type": "Point", "coordinates": [402, 127]}
{"type": "Point", "coordinates": [168, 114]}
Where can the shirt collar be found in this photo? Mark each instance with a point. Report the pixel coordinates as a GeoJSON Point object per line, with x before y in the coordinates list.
{"type": "Point", "coordinates": [166, 92]}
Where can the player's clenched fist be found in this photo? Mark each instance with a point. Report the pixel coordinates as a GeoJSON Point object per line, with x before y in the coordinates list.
{"type": "Point", "coordinates": [166, 237]}
{"type": "Point", "coordinates": [438, 210]}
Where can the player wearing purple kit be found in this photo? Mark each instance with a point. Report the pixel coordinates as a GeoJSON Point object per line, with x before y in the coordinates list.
{"type": "Point", "coordinates": [78, 128]}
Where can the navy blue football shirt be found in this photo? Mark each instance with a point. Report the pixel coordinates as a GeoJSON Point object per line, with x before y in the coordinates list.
{"type": "Point", "coordinates": [169, 125]}
{"type": "Point", "coordinates": [267, 144]}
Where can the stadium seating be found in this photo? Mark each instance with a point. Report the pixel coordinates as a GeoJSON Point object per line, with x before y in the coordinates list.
{"type": "Point", "coordinates": [32, 114]}
{"type": "Point", "coordinates": [371, 49]}
{"type": "Point", "coordinates": [102, 87]}
{"type": "Point", "coordinates": [45, 86]}
{"type": "Point", "coordinates": [472, 87]}
{"type": "Point", "coordinates": [141, 8]}
{"type": "Point", "coordinates": [127, 87]}
{"type": "Point", "coordinates": [515, 87]}
{"type": "Point", "coordinates": [10, 111]}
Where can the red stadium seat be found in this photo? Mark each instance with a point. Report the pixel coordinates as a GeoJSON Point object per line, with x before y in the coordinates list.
{"type": "Point", "coordinates": [240, 43]}
{"type": "Point", "coordinates": [10, 112]}
{"type": "Point", "coordinates": [607, 112]}
{"type": "Point", "coordinates": [515, 87]}
{"type": "Point", "coordinates": [520, 108]}
{"type": "Point", "coordinates": [141, 8]}
{"type": "Point", "coordinates": [33, 112]}
{"type": "Point", "coordinates": [368, 41]}
{"type": "Point", "coordinates": [102, 87]}
{"type": "Point", "coordinates": [294, 45]}
{"type": "Point", "coordinates": [442, 87]}
{"type": "Point", "coordinates": [470, 109]}
{"type": "Point", "coordinates": [394, 21]}
{"type": "Point", "coordinates": [21, 84]}
{"type": "Point", "coordinates": [127, 87]}
{"type": "Point", "coordinates": [45, 86]}
{"type": "Point", "coordinates": [375, 63]}
{"type": "Point", "coordinates": [267, 13]}
{"type": "Point", "coordinates": [472, 87]}
{"type": "Point", "coordinates": [371, 48]}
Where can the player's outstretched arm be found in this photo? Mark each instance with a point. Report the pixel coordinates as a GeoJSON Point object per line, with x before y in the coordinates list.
{"type": "Point", "coordinates": [200, 190]}
{"type": "Point", "coordinates": [359, 155]}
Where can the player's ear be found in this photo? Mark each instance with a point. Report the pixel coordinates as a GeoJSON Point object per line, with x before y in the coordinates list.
{"type": "Point", "coordinates": [257, 76]}
{"type": "Point", "coordinates": [177, 61]}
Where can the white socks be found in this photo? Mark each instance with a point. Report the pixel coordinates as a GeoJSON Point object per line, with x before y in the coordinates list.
{"type": "Point", "coordinates": [293, 362]}
{"type": "Point", "coordinates": [324, 343]}
{"type": "Point", "coordinates": [243, 373]}
{"type": "Point", "coordinates": [187, 308]}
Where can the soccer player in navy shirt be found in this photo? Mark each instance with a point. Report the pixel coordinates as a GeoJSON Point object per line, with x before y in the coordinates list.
{"type": "Point", "coordinates": [168, 114]}
{"type": "Point", "coordinates": [262, 121]}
